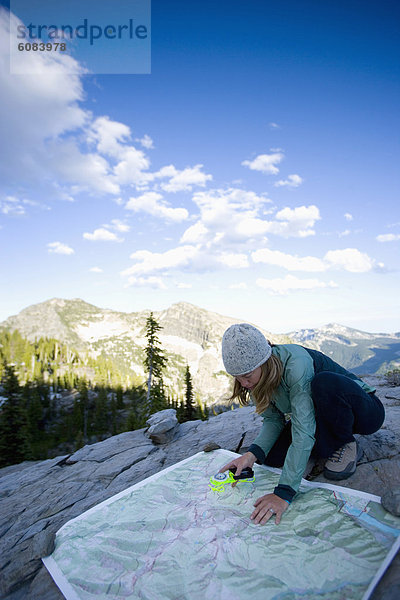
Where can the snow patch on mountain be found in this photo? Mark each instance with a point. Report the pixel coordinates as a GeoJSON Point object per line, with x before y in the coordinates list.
{"type": "Point", "coordinates": [106, 326]}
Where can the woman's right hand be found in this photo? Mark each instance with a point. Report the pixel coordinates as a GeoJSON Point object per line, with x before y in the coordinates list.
{"type": "Point", "coordinates": [246, 460]}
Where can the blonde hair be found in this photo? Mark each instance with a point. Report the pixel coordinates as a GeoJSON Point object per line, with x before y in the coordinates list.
{"type": "Point", "coordinates": [271, 373]}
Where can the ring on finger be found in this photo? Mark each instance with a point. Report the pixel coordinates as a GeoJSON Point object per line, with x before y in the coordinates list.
{"type": "Point", "coordinates": [271, 509]}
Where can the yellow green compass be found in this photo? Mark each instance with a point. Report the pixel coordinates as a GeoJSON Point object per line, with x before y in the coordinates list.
{"type": "Point", "coordinates": [219, 480]}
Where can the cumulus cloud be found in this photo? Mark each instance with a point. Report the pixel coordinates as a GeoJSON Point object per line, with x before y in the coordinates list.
{"type": "Point", "coordinates": [288, 261]}
{"type": "Point", "coordinates": [195, 234]}
{"type": "Point", "coordinates": [296, 222]}
{"type": "Point", "coordinates": [118, 225]}
{"type": "Point", "coordinates": [150, 262]}
{"type": "Point", "coordinates": [183, 180]}
{"type": "Point", "coordinates": [266, 163]}
{"type": "Point", "coordinates": [48, 137]}
{"type": "Point", "coordinates": [183, 258]}
{"type": "Point", "coordinates": [102, 235]}
{"type": "Point", "coordinates": [292, 181]}
{"type": "Point", "coordinates": [348, 216]}
{"type": "Point", "coordinates": [233, 260]}
{"type": "Point", "coordinates": [59, 248]}
{"type": "Point", "coordinates": [132, 168]}
{"type": "Point", "coordinates": [96, 270]}
{"type": "Point", "coordinates": [146, 142]}
{"type": "Point", "coordinates": [283, 286]}
{"type": "Point", "coordinates": [349, 259]}
{"type": "Point", "coordinates": [109, 136]}
{"type": "Point", "coordinates": [226, 216]}
{"type": "Point", "coordinates": [87, 172]}
{"type": "Point", "coordinates": [153, 204]}
{"type": "Point", "coordinates": [35, 108]}
{"type": "Point", "coordinates": [388, 237]}
{"type": "Point", "coordinates": [112, 140]}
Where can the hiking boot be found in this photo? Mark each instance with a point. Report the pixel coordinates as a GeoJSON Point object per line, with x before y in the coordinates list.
{"type": "Point", "coordinates": [343, 462]}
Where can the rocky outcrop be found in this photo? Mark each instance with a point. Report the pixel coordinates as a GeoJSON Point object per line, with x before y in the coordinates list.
{"type": "Point", "coordinates": [36, 499]}
{"type": "Point", "coordinates": [162, 426]}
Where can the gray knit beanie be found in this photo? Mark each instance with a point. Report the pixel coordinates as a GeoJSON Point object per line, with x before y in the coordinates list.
{"type": "Point", "coordinates": [244, 348]}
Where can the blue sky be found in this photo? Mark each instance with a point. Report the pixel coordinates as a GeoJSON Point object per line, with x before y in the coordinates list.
{"type": "Point", "coordinates": [253, 173]}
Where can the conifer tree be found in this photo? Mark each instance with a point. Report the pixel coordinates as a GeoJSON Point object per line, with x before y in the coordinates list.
{"type": "Point", "coordinates": [190, 410]}
{"type": "Point", "coordinates": [35, 413]}
{"type": "Point", "coordinates": [101, 412]}
{"type": "Point", "coordinates": [113, 409]}
{"type": "Point", "coordinates": [154, 363]}
{"type": "Point", "coordinates": [84, 406]}
{"type": "Point", "coordinates": [120, 398]}
{"type": "Point", "coordinates": [14, 437]}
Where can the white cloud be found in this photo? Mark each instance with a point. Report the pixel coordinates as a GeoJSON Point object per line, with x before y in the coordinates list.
{"type": "Point", "coordinates": [195, 234]}
{"type": "Point", "coordinates": [59, 248]}
{"type": "Point", "coordinates": [35, 109]}
{"type": "Point", "coordinates": [151, 282]}
{"type": "Point", "coordinates": [96, 270]}
{"type": "Point", "coordinates": [182, 180]}
{"type": "Point", "coordinates": [118, 225]}
{"type": "Point", "coordinates": [150, 262]}
{"type": "Point", "coordinates": [266, 163]}
{"type": "Point", "coordinates": [344, 233]}
{"type": "Point", "coordinates": [292, 181]}
{"type": "Point", "coordinates": [10, 205]}
{"type": "Point", "coordinates": [348, 216]}
{"type": "Point", "coordinates": [234, 261]}
{"type": "Point", "coordinates": [108, 135]}
{"type": "Point", "coordinates": [230, 217]}
{"type": "Point", "coordinates": [226, 216]}
{"type": "Point", "coordinates": [153, 204]}
{"type": "Point", "coordinates": [388, 237]}
{"type": "Point", "coordinates": [273, 125]}
{"type": "Point", "coordinates": [131, 168]}
{"type": "Point", "coordinates": [88, 172]}
{"type": "Point", "coordinates": [295, 222]}
{"type": "Point", "coordinates": [146, 142]}
{"type": "Point", "coordinates": [349, 259]}
{"type": "Point", "coordinates": [102, 235]}
{"type": "Point", "coordinates": [290, 283]}
{"type": "Point", "coordinates": [288, 261]}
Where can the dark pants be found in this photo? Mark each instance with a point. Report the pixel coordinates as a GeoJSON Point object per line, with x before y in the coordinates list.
{"type": "Point", "coordinates": [342, 408]}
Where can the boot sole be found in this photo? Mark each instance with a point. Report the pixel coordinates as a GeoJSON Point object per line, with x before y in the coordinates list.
{"type": "Point", "coordinates": [342, 475]}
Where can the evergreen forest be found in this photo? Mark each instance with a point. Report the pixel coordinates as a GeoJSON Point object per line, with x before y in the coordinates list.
{"type": "Point", "coordinates": [55, 399]}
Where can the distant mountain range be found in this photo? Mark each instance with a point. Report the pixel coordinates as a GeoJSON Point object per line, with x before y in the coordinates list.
{"type": "Point", "coordinates": [190, 335]}
{"type": "Point", "coordinates": [358, 351]}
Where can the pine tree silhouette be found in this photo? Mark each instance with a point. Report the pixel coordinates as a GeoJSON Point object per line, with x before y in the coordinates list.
{"type": "Point", "coordinates": [14, 437]}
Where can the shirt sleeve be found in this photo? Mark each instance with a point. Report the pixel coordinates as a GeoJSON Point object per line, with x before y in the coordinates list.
{"type": "Point", "coordinates": [273, 423]}
{"type": "Point", "coordinates": [298, 376]}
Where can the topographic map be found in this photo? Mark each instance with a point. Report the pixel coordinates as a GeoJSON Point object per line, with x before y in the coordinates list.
{"type": "Point", "coordinates": [171, 537]}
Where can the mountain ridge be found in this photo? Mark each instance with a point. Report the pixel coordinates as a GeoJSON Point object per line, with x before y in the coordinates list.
{"type": "Point", "coordinates": [191, 335]}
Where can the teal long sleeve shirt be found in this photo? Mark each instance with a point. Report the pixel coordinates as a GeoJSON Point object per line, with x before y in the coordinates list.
{"type": "Point", "coordinates": [293, 396]}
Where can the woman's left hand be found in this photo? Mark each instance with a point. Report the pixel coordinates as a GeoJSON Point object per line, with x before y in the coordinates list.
{"type": "Point", "coordinates": [266, 507]}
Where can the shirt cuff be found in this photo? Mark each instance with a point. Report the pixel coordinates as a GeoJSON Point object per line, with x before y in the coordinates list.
{"type": "Point", "coordinates": [285, 492]}
{"type": "Point", "coordinates": [258, 452]}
